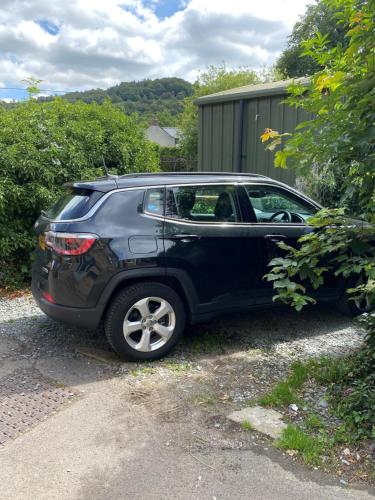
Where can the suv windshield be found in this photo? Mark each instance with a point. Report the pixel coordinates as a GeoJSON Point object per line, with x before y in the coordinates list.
{"type": "Point", "coordinates": [73, 204]}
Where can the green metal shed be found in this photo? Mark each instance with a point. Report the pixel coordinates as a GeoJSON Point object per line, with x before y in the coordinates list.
{"type": "Point", "coordinates": [231, 123]}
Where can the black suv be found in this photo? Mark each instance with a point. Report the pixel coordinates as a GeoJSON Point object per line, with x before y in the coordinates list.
{"type": "Point", "coordinates": [146, 253]}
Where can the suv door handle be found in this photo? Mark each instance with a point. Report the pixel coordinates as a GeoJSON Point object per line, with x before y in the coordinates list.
{"type": "Point", "coordinates": [184, 237]}
{"type": "Point", "coordinates": [275, 237]}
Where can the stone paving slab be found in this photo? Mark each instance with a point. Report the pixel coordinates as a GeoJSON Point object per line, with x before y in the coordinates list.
{"type": "Point", "coordinates": [265, 420]}
{"type": "Point", "coordinates": [27, 398]}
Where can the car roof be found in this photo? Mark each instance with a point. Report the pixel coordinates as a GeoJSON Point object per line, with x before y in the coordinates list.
{"type": "Point", "coordinates": [111, 182]}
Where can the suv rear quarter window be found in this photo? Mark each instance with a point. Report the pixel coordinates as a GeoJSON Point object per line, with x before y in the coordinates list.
{"type": "Point", "coordinates": [154, 201]}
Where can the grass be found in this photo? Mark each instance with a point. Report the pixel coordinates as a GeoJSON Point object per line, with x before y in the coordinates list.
{"type": "Point", "coordinates": [326, 370]}
{"type": "Point", "coordinates": [299, 375]}
{"type": "Point", "coordinates": [208, 343]}
{"type": "Point", "coordinates": [143, 370]}
{"type": "Point", "coordinates": [284, 393]}
{"type": "Point", "coordinates": [316, 441]}
{"type": "Point", "coordinates": [206, 399]}
{"type": "Point", "coordinates": [281, 395]}
{"type": "Point", "coordinates": [176, 367]}
{"type": "Point", "coordinates": [246, 425]}
{"type": "Point", "coordinates": [310, 447]}
{"type": "Point", "coordinates": [313, 421]}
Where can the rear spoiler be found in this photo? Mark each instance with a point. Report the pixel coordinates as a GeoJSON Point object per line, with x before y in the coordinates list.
{"type": "Point", "coordinates": [103, 184]}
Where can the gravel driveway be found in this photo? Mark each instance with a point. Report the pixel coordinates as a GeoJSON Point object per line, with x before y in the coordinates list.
{"type": "Point", "coordinates": [117, 416]}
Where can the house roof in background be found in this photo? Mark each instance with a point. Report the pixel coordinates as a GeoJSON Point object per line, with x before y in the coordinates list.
{"type": "Point", "coordinates": [248, 91]}
{"type": "Point", "coordinates": [172, 131]}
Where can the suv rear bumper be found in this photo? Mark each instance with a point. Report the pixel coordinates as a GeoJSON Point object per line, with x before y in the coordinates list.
{"type": "Point", "coordinates": [78, 316]}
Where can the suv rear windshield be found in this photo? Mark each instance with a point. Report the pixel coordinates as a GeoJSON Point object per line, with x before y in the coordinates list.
{"type": "Point", "coordinates": [73, 204]}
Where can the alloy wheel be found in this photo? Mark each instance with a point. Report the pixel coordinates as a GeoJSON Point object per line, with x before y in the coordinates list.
{"type": "Point", "coordinates": [149, 324]}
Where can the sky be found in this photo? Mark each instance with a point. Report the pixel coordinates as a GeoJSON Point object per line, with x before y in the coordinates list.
{"type": "Point", "coordinates": [84, 44]}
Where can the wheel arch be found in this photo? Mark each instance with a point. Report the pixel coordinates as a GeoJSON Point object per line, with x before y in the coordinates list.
{"type": "Point", "coordinates": [176, 279]}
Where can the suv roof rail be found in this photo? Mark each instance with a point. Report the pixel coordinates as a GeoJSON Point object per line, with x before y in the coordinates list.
{"type": "Point", "coordinates": [227, 174]}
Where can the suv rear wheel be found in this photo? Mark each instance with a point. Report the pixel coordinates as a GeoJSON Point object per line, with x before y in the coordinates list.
{"type": "Point", "coordinates": [145, 321]}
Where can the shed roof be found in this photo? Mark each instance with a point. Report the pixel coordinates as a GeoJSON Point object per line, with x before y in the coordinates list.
{"type": "Point", "coordinates": [249, 91]}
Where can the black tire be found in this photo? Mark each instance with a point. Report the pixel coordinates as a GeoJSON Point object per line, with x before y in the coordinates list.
{"type": "Point", "coordinates": [348, 306]}
{"type": "Point", "coordinates": [124, 301]}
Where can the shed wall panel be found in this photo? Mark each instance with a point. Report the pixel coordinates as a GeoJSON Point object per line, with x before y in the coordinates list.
{"type": "Point", "coordinates": [218, 135]}
{"type": "Point", "coordinates": [217, 138]}
{"type": "Point", "coordinates": [236, 128]}
{"type": "Point", "coordinates": [200, 136]}
{"type": "Point", "coordinates": [207, 137]}
{"type": "Point", "coordinates": [228, 137]}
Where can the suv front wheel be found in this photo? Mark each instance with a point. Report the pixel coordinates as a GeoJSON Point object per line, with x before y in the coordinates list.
{"type": "Point", "coordinates": [145, 321]}
{"type": "Point", "coordinates": [354, 306]}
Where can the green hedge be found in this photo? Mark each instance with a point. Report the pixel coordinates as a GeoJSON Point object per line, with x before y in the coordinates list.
{"type": "Point", "coordinates": [42, 146]}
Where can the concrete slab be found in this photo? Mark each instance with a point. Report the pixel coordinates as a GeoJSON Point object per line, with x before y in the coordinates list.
{"type": "Point", "coordinates": [264, 420]}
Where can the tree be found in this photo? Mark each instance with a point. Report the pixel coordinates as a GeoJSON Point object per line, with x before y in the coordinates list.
{"type": "Point", "coordinates": [214, 79]}
{"type": "Point", "coordinates": [319, 17]}
{"type": "Point", "coordinates": [43, 145]}
{"type": "Point", "coordinates": [32, 86]}
{"type": "Point", "coordinates": [340, 140]}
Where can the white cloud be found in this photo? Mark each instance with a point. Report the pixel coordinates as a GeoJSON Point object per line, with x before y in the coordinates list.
{"type": "Point", "coordinates": [78, 44]}
{"type": "Point", "coordinates": [8, 99]}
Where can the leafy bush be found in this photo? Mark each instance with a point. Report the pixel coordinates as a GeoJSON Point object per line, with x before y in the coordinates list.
{"type": "Point", "coordinates": [354, 394]}
{"type": "Point", "coordinates": [338, 143]}
{"type": "Point", "coordinates": [42, 146]}
{"type": "Point", "coordinates": [351, 384]}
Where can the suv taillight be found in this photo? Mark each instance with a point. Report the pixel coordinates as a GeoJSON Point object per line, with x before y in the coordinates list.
{"type": "Point", "coordinates": [70, 243]}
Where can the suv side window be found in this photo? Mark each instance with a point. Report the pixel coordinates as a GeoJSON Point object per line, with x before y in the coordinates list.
{"type": "Point", "coordinates": [275, 205]}
{"type": "Point", "coordinates": [202, 203]}
{"type": "Point", "coordinates": [154, 201]}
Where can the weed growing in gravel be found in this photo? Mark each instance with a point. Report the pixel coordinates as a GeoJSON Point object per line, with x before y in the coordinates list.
{"type": "Point", "coordinates": [208, 343]}
{"type": "Point", "coordinates": [206, 399]}
{"type": "Point", "coordinates": [177, 367]}
{"type": "Point", "coordinates": [310, 447]}
{"type": "Point", "coordinates": [246, 425]}
{"type": "Point", "coordinates": [313, 421]}
{"type": "Point", "coordinates": [352, 402]}
{"type": "Point", "coordinates": [284, 393]}
{"type": "Point", "coordinates": [326, 370]}
{"type": "Point", "coordinates": [298, 376]}
{"type": "Point", "coordinates": [143, 370]}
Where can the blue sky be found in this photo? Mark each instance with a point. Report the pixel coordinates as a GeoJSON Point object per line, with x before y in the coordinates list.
{"type": "Point", "coordinates": [165, 8]}
{"type": "Point", "coordinates": [48, 26]}
{"type": "Point", "coordinates": [83, 44]}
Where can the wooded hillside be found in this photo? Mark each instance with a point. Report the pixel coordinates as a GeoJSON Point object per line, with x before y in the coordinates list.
{"type": "Point", "coordinates": [146, 97]}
